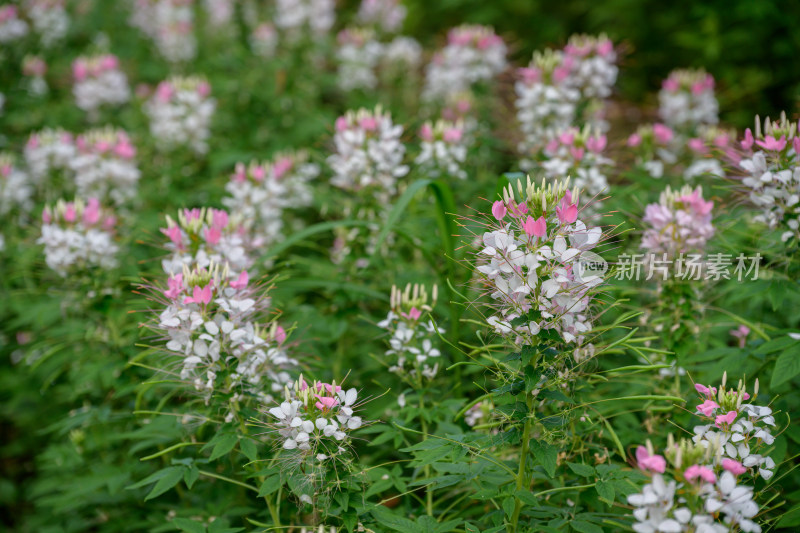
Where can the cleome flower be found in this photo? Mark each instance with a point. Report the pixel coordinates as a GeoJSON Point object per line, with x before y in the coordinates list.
{"type": "Point", "coordinates": [577, 154]}
{"type": "Point", "coordinates": [315, 420]}
{"type": "Point", "coordinates": [385, 15]}
{"type": "Point", "coordinates": [180, 113]}
{"type": "Point", "coordinates": [217, 327]}
{"type": "Point", "coordinates": [50, 20]}
{"type": "Point", "coordinates": [473, 54]}
{"type": "Point", "coordinates": [98, 81]}
{"type": "Point", "coordinates": [444, 149]}
{"type": "Point", "coordinates": [78, 236]}
{"type": "Point", "coordinates": [535, 264]}
{"type": "Point", "coordinates": [591, 61]}
{"type": "Point", "coordinates": [12, 27]}
{"type": "Point", "coordinates": [105, 165]}
{"type": "Point", "coordinates": [771, 170]}
{"type": "Point", "coordinates": [369, 153]}
{"type": "Point", "coordinates": [739, 429]}
{"type": "Point", "coordinates": [202, 237]}
{"type": "Point", "coordinates": [264, 40]}
{"type": "Point", "coordinates": [413, 336]}
{"type": "Point", "coordinates": [687, 100]}
{"type": "Point", "coordinates": [304, 19]}
{"type": "Point", "coordinates": [260, 194]}
{"type": "Point", "coordinates": [654, 146]}
{"type": "Point", "coordinates": [679, 223]}
{"type": "Point", "coordinates": [691, 490]}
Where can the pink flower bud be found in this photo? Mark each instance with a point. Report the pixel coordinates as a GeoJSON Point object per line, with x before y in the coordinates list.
{"type": "Point", "coordinates": [499, 210]}
{"type": "Point", "coordinates": [212, 235]}
{"type": "Point", "coordinates": [241, 282]}
{"type": "Point", "coordinates": [535, 227]}
{"type": "Point", "coordinates": [708, 407]}
{"type": "Point", "coordinates": [697, 471]}
{"type": "Point", "coordinates": [91, 215]}
{"type": "Point", "coordinates": [653, 463]}
{"type": "Point", "coordinates": [772, 144]}
{"type": "Point", "coordinates": [748, 140]}
{"type": "Point", "coordinates": [662, 133]}
{"type": "Point", "coordinates": [281, 167]}
{"type": "Point", "coordinates": [452, 135]}
{"type": "Point", "coordinates": [426, 132]}
{"type": "Point", "coordinates": [726, 419]}
{"type": "Point", "coordinates": [634, 140]}
{"type": "Point", "coordinates": [69, 212]}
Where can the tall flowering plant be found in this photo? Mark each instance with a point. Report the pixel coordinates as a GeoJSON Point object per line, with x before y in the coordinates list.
{"type": "Point", "coordinates": [313, 425]}
{"type": "Point", "coordinates": [687, 100]}
{"type": "Point", "coordinates": [443, 149]}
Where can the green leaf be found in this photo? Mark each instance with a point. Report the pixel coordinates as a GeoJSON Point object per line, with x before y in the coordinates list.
{"type": "Point", "coordinates": [545, 455]}
{"type": "Point", "coordinates": [170, 479]}
{"type": "Point", "coordinates": [224, 446]}
{"type": "Point", "coordinates": [508, 506]}
{"type": "Point", "coordinates": [585, 527]}
{"type": "Point", "coordinates": [190, 475]}
{"type": "Point", "coordinates": [270, 485]}
{"type": "Point", "coordinates": [387, 518]}
{"type": "Point", "coordinates": [786, 367]}
{"type": "Point", "coordinates": [582, 469]}
{"type": "Point", "coordinates": [190, 526]}
{"type": "Point", "coordinates": [605, 489]}
{"type": "Point", "coordinates": [397, 210]}
{"type": "Point", "coordinates": [531, 378]}
{"type": "Point", "coordinates": [249, 448]}
{"type": "Point", "coordinates": [526, 497]}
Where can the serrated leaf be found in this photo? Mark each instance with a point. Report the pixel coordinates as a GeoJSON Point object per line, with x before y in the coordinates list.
{"type": "Point", "coordinates": [581, 469]}
{"type": "Point", "coordinates": [249, 448]}
{"type": "Point", "coordinates": [169, 480]}
{"type": "Point", "coordinates": [786, 367]}
{"type": "Point", "coordinates": [270, 485]}
{"type": "Point", "coordinates": [531, 378]}
{"type": "Point", "coordinates": [224, 446]}
{"type": "Point", "coordinates": [190, 526]}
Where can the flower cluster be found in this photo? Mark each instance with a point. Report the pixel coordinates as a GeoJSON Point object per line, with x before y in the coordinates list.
{"type": "Point", "coordinates": [738, 429]}
{"type": "Point", "coordinates": [472, 54]}
{"type": "Point", "coordinates": [687, 100]}
{"type": "Point", "coordinates": [170, 24]}
{"type": "Point", "coordinates": [316, 419]}
{"type": "Point", "coordinates": [771, 169]}
{"type": "Point", "coordinates": [369, 153]}
{"type": "Point", "coordinates": [105, 165]}
{"type": "Point", "coordinates": [444, 149]}
{"type": "Point", "coordinates": [99, 81]}
{"type": "Point", "coordinates": [710, 150]}
{"type": "Point", "coordinates": [180, 113]}
{"type": "Point", "coordinates": [592, 65]}
{"type": "Point", "coordinates": [49, 151]}
{"type": "Point", "coordinates": [216, 324]}
{"type": "Point", "coordinates": [261, 192]}
{"type": "Point", "coordinates": [264, 40]}
{"type": "Point", "coordinates": [310, 19]}
{"type": "Point", "coordinates": [12, 27]}
{"type": "Point", "coordinates": [78, 235]}
{"type": "Point", "coordinates": [50, 20]}
{"type": "Point", "coordinates": [679, 223]}
{"type": "Point", "coordinates": [15, 188]}
{"type": "Point", "coordinates": [533, 264]}
{"type": "Point", "coordinates": [562, 89]}
{"type": "Point", "coordinates": [205, 236]}
{"type": "Point", "coordinates": [385, 15]}
{"type": "Point", "coordinates": [691, 491]}
{"type": "Point", "coordinates": [358, 56]}
{"type": "Point", "coordinates": [412, 333]}
{"type": "Point", "coordinates": [577, 154]}
{"type": "Point", "coordinates": [546, 102]}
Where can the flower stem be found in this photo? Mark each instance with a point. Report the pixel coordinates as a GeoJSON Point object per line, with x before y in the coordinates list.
{"type": "Point", "coordinates": [521, 477]}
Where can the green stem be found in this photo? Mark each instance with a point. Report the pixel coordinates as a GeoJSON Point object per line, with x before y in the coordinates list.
{"type": "Point", "coordinates": [521, 478]}
{"type": "Point", "coordinates": [429, 490]}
